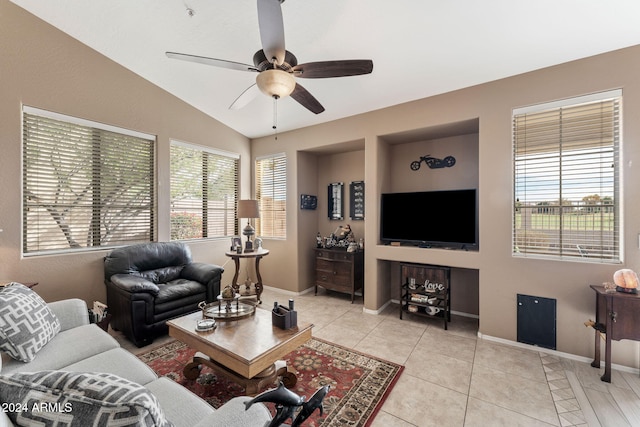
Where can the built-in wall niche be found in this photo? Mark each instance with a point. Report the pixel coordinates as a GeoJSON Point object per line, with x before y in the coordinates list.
{"type": "Point", "coordinates": [356, 200]}
{"type": "Point", "coordinates": [458, 140]}
{"type": "Point", "coordinates": [461, 174]}
{"type": "Point", "coordinates": [338, 167]}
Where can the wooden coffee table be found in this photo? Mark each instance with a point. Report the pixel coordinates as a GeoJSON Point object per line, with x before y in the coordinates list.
{"type": "Point", "coordinates": [245, 350]}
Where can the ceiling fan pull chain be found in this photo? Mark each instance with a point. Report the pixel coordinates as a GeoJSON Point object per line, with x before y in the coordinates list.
{"type": "Point", "coordinates": [275, 115]}
{"type": "Point", "coordinates": [189, 9]}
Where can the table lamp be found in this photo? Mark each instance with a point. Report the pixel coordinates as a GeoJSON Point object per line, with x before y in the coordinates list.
{"type": "Point", "coordinates": [248, 209]}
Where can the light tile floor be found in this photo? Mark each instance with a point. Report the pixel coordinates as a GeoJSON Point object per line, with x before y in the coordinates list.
{"type": "Point", "coordinates": [452, 378]}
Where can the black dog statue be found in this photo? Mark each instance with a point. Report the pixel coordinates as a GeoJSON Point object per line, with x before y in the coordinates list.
{"type": "Point", "coordinates": [287, 402]}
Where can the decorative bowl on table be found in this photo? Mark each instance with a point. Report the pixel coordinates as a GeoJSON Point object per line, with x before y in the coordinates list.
{"type": "Point", "coordinates": [230, 308]}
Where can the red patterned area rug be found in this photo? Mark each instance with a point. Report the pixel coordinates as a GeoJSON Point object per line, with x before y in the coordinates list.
{"type": "Point", "coordinates": [359, 383]}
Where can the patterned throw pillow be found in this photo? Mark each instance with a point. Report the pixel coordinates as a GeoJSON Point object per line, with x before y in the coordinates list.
{"type": "Point", "coordinates": [26, 322]}
{"type": "Point", "coordinates": [78, 399]}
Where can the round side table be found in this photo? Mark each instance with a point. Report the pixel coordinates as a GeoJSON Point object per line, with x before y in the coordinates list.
{"type": "Point", "coordinates": [256, 255]}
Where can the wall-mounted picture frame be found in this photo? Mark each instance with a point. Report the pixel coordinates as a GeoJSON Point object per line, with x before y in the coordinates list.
{"type": "Point", "coordinates": [356, 200]}
{"type": "Point", "coordinates": [335, 198]}
{"type": "Point", "coordinates": [308, 201]}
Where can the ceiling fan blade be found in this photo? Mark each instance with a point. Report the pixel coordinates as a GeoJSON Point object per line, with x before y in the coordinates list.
{"type": "Point", "coordinates": [324, 69]}
{"type": "Point", "coordinates": [307, 100]}
{"type": "Point", "coordinates": [271, 29]}
{"type": "Point", "coordinates": [245, 97]}
{"type": "Point", "coordinates": [212, 61]}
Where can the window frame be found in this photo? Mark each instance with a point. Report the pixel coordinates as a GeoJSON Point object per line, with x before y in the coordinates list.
{"type": "Point", "coordinates": [105, 133]}
{"type": "Point", "coordinates": [577, 154]}
{"type": "Point", "coordinates": [268, 212]}
{"type": "Point", "coordinates": [205, 150]}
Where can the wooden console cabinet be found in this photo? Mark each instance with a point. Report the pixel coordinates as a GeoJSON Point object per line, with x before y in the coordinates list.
{"type": "Point", "coordinates": [618, 317]}
{"type": "Point", "coordinates": [425, 291]}
{"type": "Point", "coordinates": [340, 271]}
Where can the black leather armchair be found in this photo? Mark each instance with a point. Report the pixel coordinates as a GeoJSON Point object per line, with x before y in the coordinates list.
{"type": "Point", "coordinates": [150, 283]}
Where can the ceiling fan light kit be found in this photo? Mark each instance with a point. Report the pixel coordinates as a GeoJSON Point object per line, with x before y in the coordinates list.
{"type": "Point", "coordinates": [276, 83]}
{"type": "Point", "coordinates": [278, 68]}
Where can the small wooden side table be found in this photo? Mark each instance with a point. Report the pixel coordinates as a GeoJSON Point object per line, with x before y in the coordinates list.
{"type": "Point", "coordinates": [618, 317]}
{"type": "Point", "coordinates": [256, 255]}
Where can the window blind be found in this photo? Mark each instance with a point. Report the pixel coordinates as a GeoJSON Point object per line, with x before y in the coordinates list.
{"type": "Point", "coordinates": [566, 180]}
{"type": "Point", "coordinates": [271, 193]}
{"type": "Point", "coordinates": [204, 192]}
{"type": "Point", "coordinates": [84, 186]}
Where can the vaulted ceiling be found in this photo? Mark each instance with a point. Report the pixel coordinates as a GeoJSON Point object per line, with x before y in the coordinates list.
{"type": "Point", "coordinates": [419, 48]}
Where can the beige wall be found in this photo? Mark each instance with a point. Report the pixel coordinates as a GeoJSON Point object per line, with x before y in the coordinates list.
{"type": "Point", "coordinates": [463, 174]}
{"type": "Point", "coordinates": [500, 276]}
{"type": "Point", "coordinates": [44, 68]}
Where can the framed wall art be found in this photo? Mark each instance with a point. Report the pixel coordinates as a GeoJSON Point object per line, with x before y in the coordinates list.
{"type": "Point", "coordinates": [308, 201]}
{"type": "Point", "coordinates": [335, 198]}
{"type": "Point", "coordinates": [356, 200]}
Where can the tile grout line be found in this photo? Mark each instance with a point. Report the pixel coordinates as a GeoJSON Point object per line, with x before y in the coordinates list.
{"type": "Point", "coordinates": [473, 367]}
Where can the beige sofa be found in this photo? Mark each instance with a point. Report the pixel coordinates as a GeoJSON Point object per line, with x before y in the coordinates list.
{"type": "Point", "coordinates": [81, 347]}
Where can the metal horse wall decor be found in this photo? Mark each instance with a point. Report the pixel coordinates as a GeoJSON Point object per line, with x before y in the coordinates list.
{"type": "Point", "coordinates": [433, 162]}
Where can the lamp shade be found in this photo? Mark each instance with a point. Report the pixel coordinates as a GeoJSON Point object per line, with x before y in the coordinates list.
{"type": "Point", "coordinates": [275, 82]}
{"type": "Point", "coordinates": [248, 209]}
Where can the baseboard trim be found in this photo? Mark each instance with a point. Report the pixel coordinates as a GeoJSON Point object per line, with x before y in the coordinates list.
{"type": "Point", "coordinates": [555, 352]}
{"type": "Point", "coordinates": [378, 311]}
{"type": "Point", "coordinates": [463, 314]}
{"type": "Point", "coordinates": [291, 293]}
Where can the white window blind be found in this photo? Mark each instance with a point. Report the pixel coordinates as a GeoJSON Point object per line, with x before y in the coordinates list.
{"type": "Point", "coordinates": [85, 185]}
{"type": "Point", "coordinates": [271, 193]}
{"type": "Point", "coordinates": [566, 179]}
{"type": "Point", "coordinates": [204, 192]}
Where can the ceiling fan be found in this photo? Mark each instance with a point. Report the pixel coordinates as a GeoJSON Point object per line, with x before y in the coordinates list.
{"type": "Point", "coordinates": [276, 66]}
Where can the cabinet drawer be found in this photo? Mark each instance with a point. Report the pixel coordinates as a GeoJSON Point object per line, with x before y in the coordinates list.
{"type": "Point", "coordinates": [324, 265]}
{"type": "Point", "coordinates": [326, 281]}
{"type": "Point", "coordinates": [342, 267]}
{"type": "Point", "coordinates": [335, 277]}
{"type": "Point", "coordinates": [342, 278]}
{"type": "Point", "coordinates": [334, 255]}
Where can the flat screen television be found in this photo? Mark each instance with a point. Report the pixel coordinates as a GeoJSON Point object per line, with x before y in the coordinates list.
{"type": "Point", "coordinates": [430, 218]}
